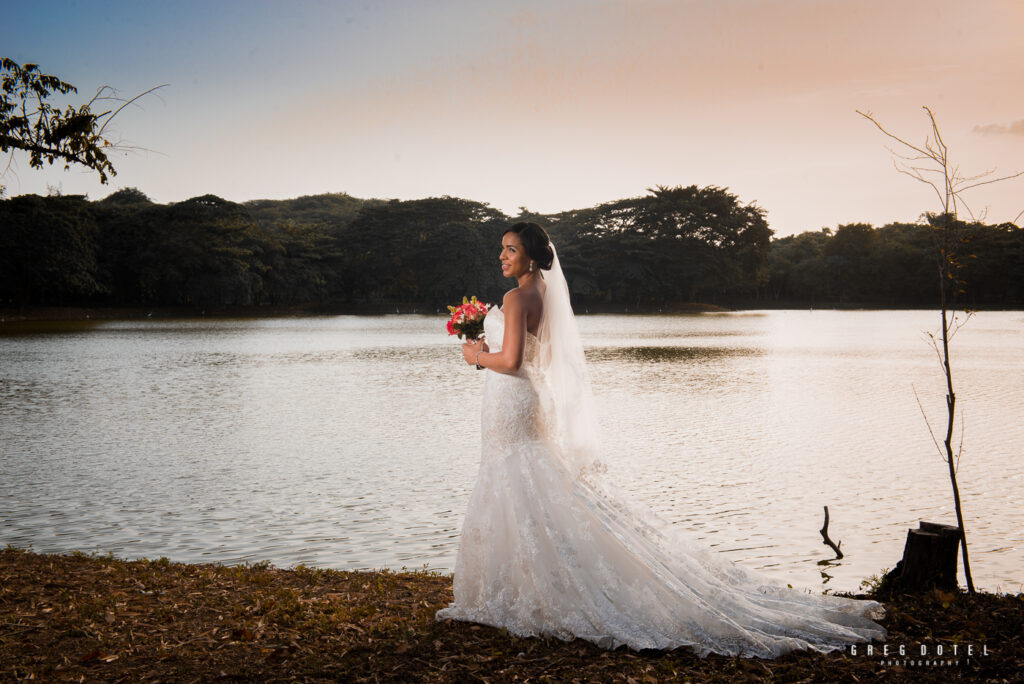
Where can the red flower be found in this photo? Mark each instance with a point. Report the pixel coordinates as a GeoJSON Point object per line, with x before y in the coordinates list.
{"type": "Point", "coordinates": [467, 318]}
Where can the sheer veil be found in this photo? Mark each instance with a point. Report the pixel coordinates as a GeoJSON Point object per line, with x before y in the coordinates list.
{"type": "Point", "coordinates": [565, 367]}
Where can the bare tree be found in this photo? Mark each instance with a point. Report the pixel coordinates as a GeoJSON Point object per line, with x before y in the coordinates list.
{"type": "Point", "coordinates": [931, 164]}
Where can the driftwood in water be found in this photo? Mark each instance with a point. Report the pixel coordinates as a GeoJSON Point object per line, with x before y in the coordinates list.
{"type": "Point", "coordinates": [929, 559]}
{"type": "Point", "coordinates": [826, 540]}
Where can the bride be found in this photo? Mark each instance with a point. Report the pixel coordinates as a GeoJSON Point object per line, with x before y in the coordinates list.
{"type": "Point", "coordinates": [549, 548]}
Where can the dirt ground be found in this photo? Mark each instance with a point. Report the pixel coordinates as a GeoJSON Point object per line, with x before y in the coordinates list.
{"type": "Point", "coordinates": [97, 618]}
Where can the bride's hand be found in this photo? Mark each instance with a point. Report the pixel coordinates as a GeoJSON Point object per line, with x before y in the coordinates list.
{"type": "Point", "coordinates": [471, 348]}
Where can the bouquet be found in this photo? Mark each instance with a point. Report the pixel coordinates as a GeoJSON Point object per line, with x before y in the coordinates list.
{"type": "Point", "coordinates": [467, 319]}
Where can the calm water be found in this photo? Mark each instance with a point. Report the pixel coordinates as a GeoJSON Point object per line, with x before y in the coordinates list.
{"type": "Point", "coordinates": [352, 442]}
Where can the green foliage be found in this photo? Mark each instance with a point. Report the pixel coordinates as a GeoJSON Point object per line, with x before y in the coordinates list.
{"type": "Point", "coordinates": [29, 122]}
{"type": "Point", "coordinates": [881, 586]}
{"type": "Point", "coordinates": [896, 265]}
{"type": "Point", "coordinates": [206, 251]}
{"type": "Point", "coordinates": [48, 250]}
{"type": "Point", "coordinates": [431, 251]}
{"type": "Point", "coordinates": [126, 197]}
{"type": "Point", "coordinates": [671, 246]}
{"type": "Point", "coordinates": [674, 244]}
{"type": "Point", "coordinates": [331, 209]}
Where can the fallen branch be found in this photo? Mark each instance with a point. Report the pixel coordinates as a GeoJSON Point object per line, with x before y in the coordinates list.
{"type": "Point", "coordinates": [827, 541]}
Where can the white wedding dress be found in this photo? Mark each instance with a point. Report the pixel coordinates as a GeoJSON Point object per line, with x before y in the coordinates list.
{"type": "Point", "coordinates": [548, 549]}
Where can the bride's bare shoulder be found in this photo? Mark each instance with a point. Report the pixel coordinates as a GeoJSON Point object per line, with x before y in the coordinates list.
{"type": "Point", "coordinates": [527, 302]}
{"type": "Point", "coordinates": [518, 296]}
{"type": "Point", "coordinates": [512, 303]}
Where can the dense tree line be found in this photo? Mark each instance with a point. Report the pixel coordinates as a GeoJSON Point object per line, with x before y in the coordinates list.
{"type": "Point", "coordinates": [897, 265]}
{"type": "Point", "coordinates": [672, 245]}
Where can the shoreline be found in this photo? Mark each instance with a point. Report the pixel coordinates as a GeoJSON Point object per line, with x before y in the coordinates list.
{"type": "Point", "coordinates": [85, 313]}
{"type": "Point", "coordinates": [71, 313]}
{"type": "Point", "coordinates": [64, 617]}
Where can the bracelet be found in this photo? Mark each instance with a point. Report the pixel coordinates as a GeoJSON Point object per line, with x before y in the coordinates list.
{"type": "Point", "coordinates": [477, 360]}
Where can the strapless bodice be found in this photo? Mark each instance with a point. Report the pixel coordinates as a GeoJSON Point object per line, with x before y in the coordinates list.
{"type": "Point", "coordinates": [494, 331]}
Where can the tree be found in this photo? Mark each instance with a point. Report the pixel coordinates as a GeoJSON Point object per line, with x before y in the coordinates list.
{"type": "Point", "coordinates": [931, 164]}
{"type": "Point", "coordinates": [126, 197]}
{"type": "Point", "coordinates": [76, 135]}
{"type": "Point", "coordinates": [427, 250]}
{"type": "Point", "coordinates": [850, 252]}
{"type": "Point", "coordinates": [674, 244]}
{"type": "Point", "coordinates": [798, 269]}
{"type": "Point", "coordinates": [48, 251]}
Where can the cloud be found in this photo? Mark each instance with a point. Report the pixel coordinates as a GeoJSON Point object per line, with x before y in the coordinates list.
{"type": "Point", "coordinates": [1015, 128]}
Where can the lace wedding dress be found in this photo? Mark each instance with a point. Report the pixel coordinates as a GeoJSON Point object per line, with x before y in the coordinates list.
{"type": "Point", "coordinates": [547, 548]}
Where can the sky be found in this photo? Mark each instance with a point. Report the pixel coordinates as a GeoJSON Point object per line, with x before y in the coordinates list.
{"type": "Point", "coordinates": [549, 105]}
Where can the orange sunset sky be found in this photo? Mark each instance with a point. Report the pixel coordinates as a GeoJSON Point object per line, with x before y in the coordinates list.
{"type": "Point", "coordinates": [548, 105]}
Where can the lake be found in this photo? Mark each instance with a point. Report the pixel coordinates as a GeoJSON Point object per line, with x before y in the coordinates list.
{"type": "Point", "coordinates": [353, 441]}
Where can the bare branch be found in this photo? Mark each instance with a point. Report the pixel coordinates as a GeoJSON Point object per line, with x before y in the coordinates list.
{"type": "Point", "coordinates": [959, 201]}
{"type": "Point", "coordinates": [967, 179]}
{"type": "Point", "coordinates": [909, 157]}
{"type": "Point", "coordinates": [826, 540]}
{"type": "Point", "coordinates": [955, 327]}
{"type": "Point", "coordinates": [7, 167]}
{"type": "Point", "coordinates": [131, 101]}
{"type": "Point", "coordinates": [100, 96]}
{"type": "Point", "coordinates": [935, 128]}
{"type": "Point", "coordinates": [918, 177]}
{"type": "Point", "coordinates": [960, 448]}
{"type": "Point", "coordinates": [931, 432]}
{"type": "Point", "coordinates": [898, 139]}
{"type": "Point", "coordinates": [938, 351]}
{"type": "Point", "coordinates": [994, 180]}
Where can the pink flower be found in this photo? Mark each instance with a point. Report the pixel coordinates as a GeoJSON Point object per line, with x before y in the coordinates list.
{"type": "Point", "coordinates": [467, 318]}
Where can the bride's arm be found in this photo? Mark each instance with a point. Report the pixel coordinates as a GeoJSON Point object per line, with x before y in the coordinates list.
{"type": "Point", "coordinates": [513, 345]}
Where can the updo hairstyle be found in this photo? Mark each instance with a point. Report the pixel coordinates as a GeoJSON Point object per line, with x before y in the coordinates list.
{"type": "Point", "coordinates": [536, 243]}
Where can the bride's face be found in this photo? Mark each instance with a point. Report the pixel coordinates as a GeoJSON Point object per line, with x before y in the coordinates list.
{"type": "Point", "coordinates": [514, 260]}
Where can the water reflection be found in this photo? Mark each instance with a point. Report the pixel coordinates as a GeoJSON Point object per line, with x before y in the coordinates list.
{"type": "Point", "coordinates": [658, 354]}
{"type": "Point", "coordinates": [15, 329]}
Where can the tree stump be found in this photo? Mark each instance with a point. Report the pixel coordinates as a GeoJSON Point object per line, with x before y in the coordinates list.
{"type": "Point", "coordinates": [929, 559]}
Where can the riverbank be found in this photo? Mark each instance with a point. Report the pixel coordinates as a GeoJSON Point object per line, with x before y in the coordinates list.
{"type": "Point", "coordinates": [71, 313]}
{"type": "Point", "coordinates": [74, 617]}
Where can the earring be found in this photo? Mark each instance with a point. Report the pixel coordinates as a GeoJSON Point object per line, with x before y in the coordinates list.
{"type": "Point", "coordinates": [531, 267]}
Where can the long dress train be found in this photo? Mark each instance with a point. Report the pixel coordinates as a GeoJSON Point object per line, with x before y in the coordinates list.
{"type": "Point", "coordinates": [545, 550]}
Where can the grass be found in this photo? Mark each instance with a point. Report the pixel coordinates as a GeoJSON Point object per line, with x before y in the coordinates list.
{"type": "Point", "coordinates": [81, 617]}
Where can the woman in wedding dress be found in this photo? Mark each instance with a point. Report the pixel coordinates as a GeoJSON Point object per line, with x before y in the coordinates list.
{"type": "Point", "coordinates": [548, 548]}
